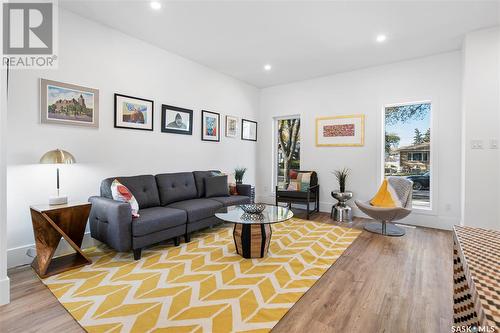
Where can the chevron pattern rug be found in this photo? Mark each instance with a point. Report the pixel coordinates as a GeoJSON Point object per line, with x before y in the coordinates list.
{"type": "Point", "coordinates": [202, 286]}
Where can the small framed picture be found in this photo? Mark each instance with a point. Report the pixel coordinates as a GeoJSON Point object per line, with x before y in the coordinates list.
{"type": "Point", "coordinates": [248, 130]}
{"type": "Point", "coordinates": [176, 120]}
{"type": "Point", "coordinates": [68, 104]}
{"type": "Point", "coordinates": [210, 126]}
{"type": "Point", "coordinates": [231, 127]}
{"type": "Point", "coordinates": [133, 112]}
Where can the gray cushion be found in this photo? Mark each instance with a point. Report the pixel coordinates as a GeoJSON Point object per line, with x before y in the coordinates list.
{"type": "Point", "coordinates": [199, 178]}
{"type": "Point", "coordinates": [143, 188]}
{"type": "Point", "coordinates": [176, 187]}
{"type": "Point", "coordinates": [232, 200]}
{"type": "Point", "coordinates": [197, 209]}
{"type": "Point", "coordinates": [216, 187]}
{"type": "Point", "coordinates": [156, 219]}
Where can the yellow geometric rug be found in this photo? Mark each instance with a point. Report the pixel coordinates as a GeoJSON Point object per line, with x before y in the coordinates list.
{"type": "Point", "coordinates": [202, 286]}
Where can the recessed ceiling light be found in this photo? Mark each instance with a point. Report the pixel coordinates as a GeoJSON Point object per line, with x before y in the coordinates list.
{"type": "Point", "coordinates": [156, 5]}
{"type": "Point", "coordinates": [381, 38]}
{"type": "Point", "coordinates": [267, 67]}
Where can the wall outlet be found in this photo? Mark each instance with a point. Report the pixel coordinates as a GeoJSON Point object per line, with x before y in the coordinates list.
{"type": "Point", "coordinates": [477, 144]}
{"type": "Point", "coordinates": [493, 144]}
{"type": "Point", "coordinates": [31, 252]}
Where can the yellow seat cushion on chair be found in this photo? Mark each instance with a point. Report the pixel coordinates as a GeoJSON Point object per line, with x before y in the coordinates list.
{"type": "Point", "coordinates": [386, 197]}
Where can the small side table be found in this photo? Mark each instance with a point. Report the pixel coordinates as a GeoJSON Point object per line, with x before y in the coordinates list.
{"type": "Point", "coordinates": [50, 223]}
{"type": "Point", "coordinates": [341, 212]}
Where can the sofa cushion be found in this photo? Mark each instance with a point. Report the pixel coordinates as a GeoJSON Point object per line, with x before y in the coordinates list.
{"type": "Point", "coordinates": [176, 187]}
{"type": "Point", "coordinates": [216, 186]}
{"type": "Point", "coordinates": [232, 200]}
{"type": "Point", "coordinates": [199, 178]}
{"type": "Point", "coordinates": [142, 187]}
{"type": "Point", "coordinates": [197, 209]}
{"type": "Point", "coordinates": [156, 219]}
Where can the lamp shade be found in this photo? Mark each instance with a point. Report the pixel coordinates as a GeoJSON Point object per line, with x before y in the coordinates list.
{"type": "Point", "coordinates": [57, 156]}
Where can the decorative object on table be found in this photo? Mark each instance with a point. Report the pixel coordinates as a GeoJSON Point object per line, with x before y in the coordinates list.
{"type": "Point", "coordinates": [341, 131]}
{"type": "Point", "coordinates": [306, 193]}
{"type": "Point", "coordinates": [238, 174]}
{"type": "Point", "coordinates": [475, 278]}
{"type": "Point", "coordinates": [403, 191]}
{"type": "Point", "coordinates": [341, 212]}
{"type": "Point", "coordinates": [210, 126]}
{"type": "Point", "coordinates": [176, 120]}
{"type": "Point", "coordinates": [252, 235]}
{"type": "Point", "coordinates": [68, 104]}
{"type": "Point", "coordinates": [248, 130]}
{"type": "Point", "coordinates": [50, 223]}
{"type": "Point", "coordinates": [57, 156]}
{"type": "Point", "coordinates": [231, 127]}
{"type": "Point", "coordinates": [133, 112]}
{"type": "Point", "coordinates": [253, 208]}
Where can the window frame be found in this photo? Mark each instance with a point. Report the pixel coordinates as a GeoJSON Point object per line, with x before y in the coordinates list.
{"type": "Point", "coordinates": [274, 177]}
{"type": "Point", "coordinates": [433, 191]}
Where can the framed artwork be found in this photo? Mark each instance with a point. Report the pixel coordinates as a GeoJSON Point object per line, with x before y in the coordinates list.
{"type": "Point", "coordinates": [231, 126]}
{"type": "Point", "coordinates": [210, 126]}
{"type": "Point", "coordinates": [176, 120]}
{"type": "Point", "coordinates": [248, 130]}
{"type": "Point", "coordinates": [68, 104]}
{"type": "Point", "coordinates": [340, 131]}
{"type": "Point", "coordinates": [133, 112]}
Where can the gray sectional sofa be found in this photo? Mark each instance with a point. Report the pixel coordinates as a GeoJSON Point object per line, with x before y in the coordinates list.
{"type": "Point", "coordinates": [170, 205]}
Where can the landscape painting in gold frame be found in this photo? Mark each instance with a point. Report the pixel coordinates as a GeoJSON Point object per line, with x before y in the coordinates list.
{"type": "Point", "coordinates": [340, 131]}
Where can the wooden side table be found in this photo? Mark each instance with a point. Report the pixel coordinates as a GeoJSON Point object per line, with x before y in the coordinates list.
{"type": "Point", "coordinates": [50, 223]}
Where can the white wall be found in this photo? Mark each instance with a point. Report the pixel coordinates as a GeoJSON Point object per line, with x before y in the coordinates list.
{"type": "Point", "coordinates": [95, 56]}
{"type": "Point", "coordinates": [436, 78]}
{"type": "Point", "coordinates": [481, 114]}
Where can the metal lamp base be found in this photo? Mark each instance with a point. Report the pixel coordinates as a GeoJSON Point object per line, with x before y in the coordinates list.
{"type": "Point", "coordinates": [384, 228]}
{"type": "Point", "coordinates": [59, 200]}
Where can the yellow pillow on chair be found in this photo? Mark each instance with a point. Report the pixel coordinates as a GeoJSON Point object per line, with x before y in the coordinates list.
{"type": "Point", "coordinates": [386, 197]}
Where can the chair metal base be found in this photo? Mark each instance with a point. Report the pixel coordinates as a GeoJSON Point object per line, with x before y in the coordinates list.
{"type": "Point", "coordinates": [384, 228]}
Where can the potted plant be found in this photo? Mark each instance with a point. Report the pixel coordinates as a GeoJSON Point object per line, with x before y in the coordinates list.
{"type": "Point", "coordinates": [238, 175]}
{"type": "Point", "coordinates": [342, 176]}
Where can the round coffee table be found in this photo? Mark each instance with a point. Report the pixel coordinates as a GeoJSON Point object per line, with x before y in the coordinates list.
{"type": "Point", "coordinates": [252, 232]}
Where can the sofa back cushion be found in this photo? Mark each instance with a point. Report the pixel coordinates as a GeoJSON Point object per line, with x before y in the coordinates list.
{"type": "Point", "coordinates": [175, 187]}
{"type": "Point", "coordinates": [199, 178]}
{"type": "Point", "coordinates": [142, 187]}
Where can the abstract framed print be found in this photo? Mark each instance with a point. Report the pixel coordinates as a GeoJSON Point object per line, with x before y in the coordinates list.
{"type": "Point", "coordinates": [340, 131]}
{"type": "Point", "coordinates": [231, 126]}
{"type": "Point", "coordinates": [68, 104]}
{"type": "Point", "coordinates": [176, 120]}
{"type": "Point", "coordinates": [133, 112]}
{"type": "Point", "coordinates": [210, 126]}
{"type": "Point", "coordinates": [248, 130]}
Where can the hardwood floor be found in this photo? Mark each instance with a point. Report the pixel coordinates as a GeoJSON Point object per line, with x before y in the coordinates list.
{"type": "Point", "coordinates": [380, 284]}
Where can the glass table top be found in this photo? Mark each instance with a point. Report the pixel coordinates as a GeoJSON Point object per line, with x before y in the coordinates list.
{"type": "Point", "coordinates": [271, 214]}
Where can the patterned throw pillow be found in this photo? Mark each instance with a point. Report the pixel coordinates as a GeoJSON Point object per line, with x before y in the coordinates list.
{"type": "Point", "coordinates": [304, 178]}
{"type": "Point", "coordinates": [386, 197]}
{"type": "Point", "coordinates": [293, 186]}
{"type": "Point", "coordinates": [121, 193]}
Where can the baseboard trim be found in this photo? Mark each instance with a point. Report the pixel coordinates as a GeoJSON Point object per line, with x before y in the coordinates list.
{"type": "Point", "coordinates": [17, 256]}
{"type": "Point", "coordinates": [4, 291]}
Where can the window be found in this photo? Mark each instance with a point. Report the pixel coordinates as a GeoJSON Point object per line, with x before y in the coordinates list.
{"type": "Point", "coordinates": [408, 147]}
{"type": "Point", "coordinates": [287, 148]}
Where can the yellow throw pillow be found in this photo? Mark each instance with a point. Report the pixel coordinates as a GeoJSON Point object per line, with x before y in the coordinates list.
{"type": "Point", "coordinates": [386, 197]}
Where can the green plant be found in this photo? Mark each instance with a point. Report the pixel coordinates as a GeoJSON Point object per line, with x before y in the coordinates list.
{"type": "Point", "coordinates": [342, 176]}
{"type": "Point", "coordinates": [238, 174]}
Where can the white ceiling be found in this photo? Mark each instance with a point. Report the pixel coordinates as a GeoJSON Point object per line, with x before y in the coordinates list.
{"type": "Point", "coordinates": [301, 39]}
